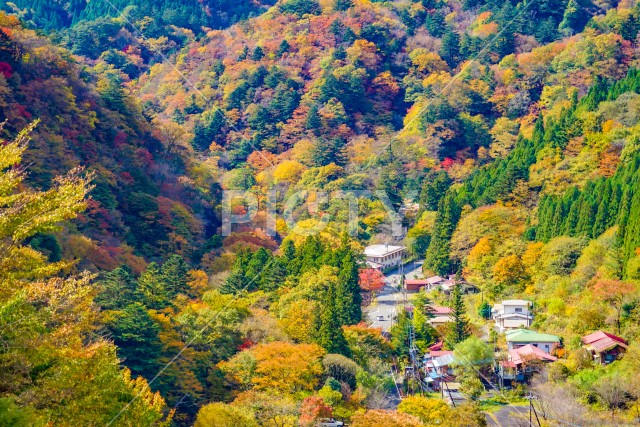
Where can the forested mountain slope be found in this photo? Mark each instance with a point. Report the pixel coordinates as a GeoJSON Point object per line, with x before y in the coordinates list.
{"type": "Point", "coordinates": [85, 118]}
{"type": "Point", "coordinates": [189, 14]}
{"type": "Point", "coordinates": [513, 124]}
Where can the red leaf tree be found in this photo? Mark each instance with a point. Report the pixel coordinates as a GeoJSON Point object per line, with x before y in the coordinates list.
{"type": "Point", "coordinates": [313, 409]}
{"type": "Point", "coordinates": [371, 280]}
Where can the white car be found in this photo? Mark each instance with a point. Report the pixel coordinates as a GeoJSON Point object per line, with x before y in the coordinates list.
{"type": "Point", "coordinates": [330, 422]}
{"type": "Point", "coordinates": [380, 318]}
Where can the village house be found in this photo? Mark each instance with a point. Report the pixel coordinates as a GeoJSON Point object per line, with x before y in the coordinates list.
{"type": "Point", "coordinates": [522, 362]}
{"type": "Point", "coordinates": [522, 337]}
{"type": "Point", "coordinates": [438, 282]}
{"type": "Point", "coordinates": [416, 285]}
{"type": "Point", "coordinates": [515, 313]}
{"type": "Point", "coordinates": [604, 347]}
{"type": "Point", "coordinates": [438, 367]}
{"type": "Point", "coordinates": [382, 257]}
{"type": "Point", "coordinates": [439, 315]}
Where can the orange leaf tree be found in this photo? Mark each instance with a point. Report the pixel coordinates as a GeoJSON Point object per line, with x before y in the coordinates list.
{"type": "Point", "coordinates": [615, 293]}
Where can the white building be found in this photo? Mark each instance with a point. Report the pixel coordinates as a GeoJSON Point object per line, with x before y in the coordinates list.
{"type": "Point", "coordinates": [384, 256]}
{"type": "Point", "coordinates": [512, 314]}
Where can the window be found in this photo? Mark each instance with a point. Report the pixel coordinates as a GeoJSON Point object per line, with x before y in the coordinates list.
{"type": "Point", "coordinates": [518, 309]}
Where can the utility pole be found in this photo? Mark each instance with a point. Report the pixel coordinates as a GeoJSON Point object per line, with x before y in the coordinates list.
{"type": "Point", "coordinates": [532, 411]}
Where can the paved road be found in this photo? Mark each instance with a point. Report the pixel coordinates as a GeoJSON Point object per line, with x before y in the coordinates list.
{"type": "Point", "coordinates": [508, 416]}
{"type": "Point", "coordinates": [387, 299]}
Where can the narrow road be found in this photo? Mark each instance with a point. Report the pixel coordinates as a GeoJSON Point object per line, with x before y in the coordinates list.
{"type": "Point", "coordinates": [382, 311]}
{"type": "Point", "coordinates": [505, 417]}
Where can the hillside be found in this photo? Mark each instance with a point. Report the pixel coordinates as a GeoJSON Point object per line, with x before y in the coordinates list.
{"type": "Point", "coordinates": [86, 118]}
{"type": "Point", "coordinates": [505, 135]}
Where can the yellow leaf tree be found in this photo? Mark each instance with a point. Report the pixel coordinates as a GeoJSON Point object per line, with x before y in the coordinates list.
{"type": "Point", "coordinates": [54, 367]}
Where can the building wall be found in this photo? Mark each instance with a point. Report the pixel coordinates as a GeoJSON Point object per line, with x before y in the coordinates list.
{"type": "Point", "coordinates": [546, 346]}
{"type": "Point", "coordinates": [511, 309]}
{"type": "Point", "coordinates": [388, 260]}
{"type": "Point", "coordinates": [514, 323]}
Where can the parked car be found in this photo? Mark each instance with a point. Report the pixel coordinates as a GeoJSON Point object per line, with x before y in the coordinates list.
{"type": "Point", "coordinates": [380, 318]}
{"type": "Point", "coordinates": [330, 422]}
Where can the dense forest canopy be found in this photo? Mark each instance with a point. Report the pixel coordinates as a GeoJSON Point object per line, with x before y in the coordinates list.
{"type": "Point", "coordinates": [512, 125]}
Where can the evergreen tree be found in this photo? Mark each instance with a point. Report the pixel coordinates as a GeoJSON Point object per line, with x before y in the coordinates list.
{"type": "Point", "coordinates": [348, 296]}
{"type": "Point", "coordinates": [288, 250]}
{"type": "Point", "coordinates": [136, 335]}
{"type": "Point", "coordinates": [330, 334]}
{"type": "Point", "coordinates": [209, 129]}
{"type": "Point", "coordinates": [574, 19]}
{"type": "Point", "coordinates": [256, 272]}
{"type": "Point", "coordinates": [325, 152]}
{"type": "Point", "coordinates": [117, 290]}
{"type": "Point", "coordinates": [175, 274]}
{"type": "Point", "coordinates": [460, 325]}
{"type": "Point", "coordinates": [314, 122]}
{"type": "Point", "coordinates": [342, 5]}
{"type": "Point", "coordinates": [235, 282]}
{"type": "Point", "coordinates": [450, 49]}
{"type": "Point", "coordinates": [283, 48]}
{"type": "Point", "coordinates": [400, 334]}
{"type": "Point", "coordinates": [152, 287]}
{"type": "Point", "coordinates": [437, 256]}
{"type": "Point", "coordinates": [258, 54]}
{"type": "Point", "coordinates": [275, 275]}
{"type": "Point", "coordinates": [244, 54]}
{"type": "Point", "coordinates": [391, 183]}
{"type": "Point", "coordinates": [434, 188]}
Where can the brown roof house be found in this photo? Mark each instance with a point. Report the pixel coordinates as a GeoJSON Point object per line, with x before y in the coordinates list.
{"type": "Point", "coordinates": [604, 347]}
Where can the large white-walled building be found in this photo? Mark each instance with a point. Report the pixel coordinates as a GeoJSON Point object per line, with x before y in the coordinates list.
{"type": "Point", "coordinates": [384, 256]}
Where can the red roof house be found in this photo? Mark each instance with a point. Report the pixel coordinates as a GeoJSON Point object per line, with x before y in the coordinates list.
{"type": "Point", "coordinates": [604, 347]}
{"type": "Point", "coordinates": [521, 362]}
{"type": "Point", "coordinates": [437, 346]}
{"type": "Point", "coordinates": [438, 310]}
{"type": "Point", "coordinates": [414, 285]}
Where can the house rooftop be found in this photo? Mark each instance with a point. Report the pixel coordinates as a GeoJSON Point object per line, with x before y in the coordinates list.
{"type": "Point", "coordinates": [438, 353]}
{"type": "Point", "coordinates": [529, 352]}
{"type": "Point", "coordinates": [416, 282]}
{"type": "Point", "coordinates": [437, 346]}
{"type": "Point", "coordinates": [599, 335]}
{"type": "Point", "coordinates": [526, 335]}
{"type": "Point", "coordinates": [601, 341]}
{"type": "Point", "coordinates": [444, 360]}
{"type": "Point", "coordinates": [382, 250]}
{"type": "Point", "coordinates": [440, 319]}
{"type": "Point", "coordinates": [439, 310]}
{"type": "Point", "coordinates": [435, 279]}
{"type": "Point", "coordinates": [516, 302]}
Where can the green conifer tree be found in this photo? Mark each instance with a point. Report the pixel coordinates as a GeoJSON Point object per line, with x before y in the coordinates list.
{"type": "Point", "coordinates": [330, 334]}
{"type": "Point", "coordinates": [152, 287]}
{"type": "Point", "coordinates": [460, 326]}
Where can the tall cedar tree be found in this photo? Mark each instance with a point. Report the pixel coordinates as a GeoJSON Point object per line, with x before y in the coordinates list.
{"type": "Point", "coordinates": [349, 298]}
{"type": "Point", "coordinates": [460, 326]}
{"type": "Point", "coordinates": [437, 256]}
{"type": "Point", "coordinates": [330, 334]}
